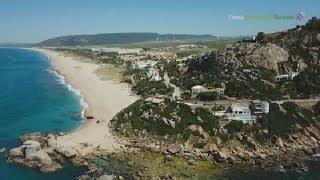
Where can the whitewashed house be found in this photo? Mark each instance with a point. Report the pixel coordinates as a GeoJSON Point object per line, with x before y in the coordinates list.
{"type": "Point", "coordinates": [259, 107]}
{"type": "Point", "coordinates": [288, 76]}
{"type": "Point", "coordinates": [153, 74]}
{"type": "Point", "coordinates": [241, 112]}
{"type": "Point", "coordinates": [197, 89]}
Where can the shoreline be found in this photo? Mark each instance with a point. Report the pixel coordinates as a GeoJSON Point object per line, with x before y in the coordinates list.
{"type": "Point", "coordinates": [104, 99]}
{"type": "Point", "coordinates": [75, 91]}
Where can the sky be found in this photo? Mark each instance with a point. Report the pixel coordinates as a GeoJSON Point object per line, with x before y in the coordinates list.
{"type": "Point", "coordinates": [37, 20]}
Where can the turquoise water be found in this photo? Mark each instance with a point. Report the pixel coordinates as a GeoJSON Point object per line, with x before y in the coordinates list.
{"type": "Point", "coordinates": [33, 98]}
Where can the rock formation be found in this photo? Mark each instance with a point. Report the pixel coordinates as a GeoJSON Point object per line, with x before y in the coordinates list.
{"type": "Point", "coordinates": [37, 151]}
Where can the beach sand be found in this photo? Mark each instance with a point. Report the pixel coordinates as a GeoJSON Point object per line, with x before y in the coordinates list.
{"type": "Point", "coordinates": [105, 98]}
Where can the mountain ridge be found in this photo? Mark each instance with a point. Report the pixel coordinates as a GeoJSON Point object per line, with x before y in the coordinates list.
{"type": "Point", "coordinates": [119, 38]}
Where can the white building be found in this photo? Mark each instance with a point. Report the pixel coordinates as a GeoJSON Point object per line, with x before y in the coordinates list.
{"type": "Point", "coordinates": [259, 107]}
{"type": "Point", "coordinates": [139, 65]}
{"type": "Point", "coordinates": [197, 89]}
{"type": "Point", "coordinates": [153, 74]}
{"type": "Point", "coordinates": [241, 112]}
{"type": "Point", "coordinates": [143, 64]}
{"type": "Point", "coordinates": [288, 76]}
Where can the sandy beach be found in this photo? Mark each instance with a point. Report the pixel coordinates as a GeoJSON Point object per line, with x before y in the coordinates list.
{"type": "Point", "coordinates": [105, 97]}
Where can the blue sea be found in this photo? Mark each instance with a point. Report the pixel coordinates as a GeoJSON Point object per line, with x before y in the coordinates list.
{"type": "Point", "coordinates": [34, 98]}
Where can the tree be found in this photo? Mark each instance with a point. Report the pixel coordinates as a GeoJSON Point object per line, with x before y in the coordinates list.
{"type": "Point", "coordinates": [208, 96]}
{"type": "Point", "coordinates": [234, 126]}
{"type": "Point", "coordinates": [260, 36]}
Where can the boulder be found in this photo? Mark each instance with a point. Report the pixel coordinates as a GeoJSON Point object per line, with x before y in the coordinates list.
{"type": "Point", "coordinates": [305, 132]}
{"type": "Point", "coordinates": [85, 177]}
{"type": "Point", "coordinates": [39, 157]}
{"type": "Point", "coordinates": [51, 142]}
{"type": "Point", "coordinates": [219, 157]}
{"type": "Point", "coordinates": [173, 148]}
{"type": "Point", "coordinates": [2, 150]}
{"type": "Point", "coordinates": [218, 141]}
{"type": "Point", "coordinates": [33, 136]}
{"type": "Point", "coordinates": [32, 144]}
{"type": "Point", "coordinates": [313, 133]}
{"type": "Point", "coordinates": [67, 152]}
{"type": "Point", "coordinates": [106, 177]}
{"type": "Point", "coordinates": [290, 139]}
{"type": "Point", "coordinates": [298, 127]}
{"type": "Point", "coordinates": [261, 156]}
{"type": "Point", "coordinates": [210, 147]}
{"type": "Point", "coordinates": [50, 168]}
{"type": "Point", "coordinates": [90, 117]}
{"type": "Point", "coordinates": [252, 143]}
{"type": "Point", "coordinates": [191, 162]}
{"type": "Point", "coordinates": [239, 136]}
{"type": "Point", "coordinates": [35, 153]}
{"type": "Point", "coordinates": [168, 158]}
{"type": "Point", "coordinates": [199, 130]}
{"type": "Point", "coordinates": [231, 160]}
{"type": "Point", "coordinates": [279, 142]}
{"type": "Point", "coordinates": [16, 152]}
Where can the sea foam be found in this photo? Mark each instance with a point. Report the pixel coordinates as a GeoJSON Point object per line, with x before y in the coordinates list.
{"type": "Point", "coordinates": [62, 80]}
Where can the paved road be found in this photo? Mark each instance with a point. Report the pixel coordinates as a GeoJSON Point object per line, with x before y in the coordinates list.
{"type": "Point", "coordinates": [303, 102]}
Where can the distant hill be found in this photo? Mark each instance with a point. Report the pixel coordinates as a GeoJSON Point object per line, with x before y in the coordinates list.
{"type": "Point", "coordinates": [119, 38]}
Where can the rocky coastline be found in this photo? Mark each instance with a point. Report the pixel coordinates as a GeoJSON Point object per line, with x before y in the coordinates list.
{"type": "Point", "coordinates": [37, 151]}
{"type": "Point", "coordinates": [150, 157]}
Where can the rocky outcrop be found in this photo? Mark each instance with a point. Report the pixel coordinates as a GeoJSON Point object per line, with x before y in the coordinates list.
{"type": "Point", "coordinates": [279, 143]}
{"type": "Point", "coordinates": [31, 154]}
{"type": "Point", "coordinates": [255, 54]}
{"type": "Point", "coordinates": [102, 177]}
{"type": "Point", "coordinates": [173, 148]}
{"type": "Point", "coordinates": [252, 143]}
{"type": "Point", "coordinates": [210, 148]}
{"type": "Point", "coordinates": [2, 150]}
{"type": "Point", "coordinates": [67, 152]}
{"type": "Point", "coordinates": [37, 151]}
{"type": "Point", "coordinates": [106, 177]}
{"type": "Point", "coordinates": [313, 132]}
{"type": "Point", "coordinates": [199, 130]}
{"type": "Point", "coordinates": [219, 156]}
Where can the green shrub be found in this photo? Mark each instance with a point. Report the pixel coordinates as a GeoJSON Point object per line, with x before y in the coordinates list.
{"type": "Point", "coordinates": [145, 87]}
{"type": "Point", "coordinates": [210, 123]}
{"type": "Point", "coordinates": [281, 119]}
{"type": "Point", "coordinates": [234, 126]}
{"type": "Point", "coordinates": [208, 96]}
{"type": "Point", "coordinates": [260, 36]}
{"type": "Point", "coordinates": [127, 80]}
{"type": "Point", "coordinates": [313, 24]}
